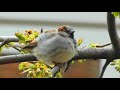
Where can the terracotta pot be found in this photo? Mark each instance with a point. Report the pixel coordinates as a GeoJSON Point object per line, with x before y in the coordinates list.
{"type": "Point", "coordinates": [88, 69]}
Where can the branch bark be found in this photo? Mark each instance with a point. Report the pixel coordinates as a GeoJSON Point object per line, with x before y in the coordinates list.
{"type": "Point", "coordinates": [87, 53]}
{"type": "Point", "coordinates": [17, 58]}
{"type": "Point", "coordinates": [113, 32]}
{"type": "Point", "coordinates": [10, 51]}
{"type": "Point", "coordinates": [114, 39]}
{"type": "Point", "coordinates": [9, 39]}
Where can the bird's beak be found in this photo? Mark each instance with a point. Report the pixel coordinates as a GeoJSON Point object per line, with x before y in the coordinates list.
{"type": "Point", "coordinates": [71, 32]}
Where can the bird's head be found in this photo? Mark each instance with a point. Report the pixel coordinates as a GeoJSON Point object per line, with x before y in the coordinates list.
{"type": "Point", "coordinates": [67, 29]}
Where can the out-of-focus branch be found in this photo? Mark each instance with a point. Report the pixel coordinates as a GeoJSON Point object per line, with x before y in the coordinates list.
{"type": "Point", "coordinates": [9, 39]}
{"type": "Point", "coordinates": [17, 58]}
{"type": "Point", "coordinates": [88, 53]}
{"type": "Point", "coordinates": [10, 51]}
{"type": "Point", "coordinates": [3, 43]}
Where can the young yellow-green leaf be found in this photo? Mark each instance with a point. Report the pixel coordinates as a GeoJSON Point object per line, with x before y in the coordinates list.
{"type": "Point", "coordinates": [12, 43]}
{"type": "Point", "coordinates": [116, 14]}
{"type": "Point", "coordinates": [1, 49]}
{"type": "Point", "coordinates": [79, 42]}
{"type": "Point", "coordinates": [25, 71]}
{"type": "Point", "coordinates": [58, 75]}
{"type": "Point", "coordinates": [24, 52]}
{"type": "Point", "coordinates": [81, 60]}
{"type": "Point", "coordinates": [73, 62]}
{"type": "Point", "coordinates": [36, 69]}
{"type": "Point", "coordinates": [25, 65]}
{"type": "Point", "coordinates": [93, 45]}
{"type": "Point", "coordinates": [20, 36]}
{"type": "Point", "coordinates": [116, 64]}
{"type": "Point", "coordinates": [27, 36]}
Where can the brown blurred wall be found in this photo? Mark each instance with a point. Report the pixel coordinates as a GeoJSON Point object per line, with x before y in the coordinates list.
{"type": "Point", "coordinates": [89, 69]}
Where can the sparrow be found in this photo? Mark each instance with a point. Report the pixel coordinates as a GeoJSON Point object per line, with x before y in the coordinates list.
{"type": "Point", "coordinates": [54, 46]}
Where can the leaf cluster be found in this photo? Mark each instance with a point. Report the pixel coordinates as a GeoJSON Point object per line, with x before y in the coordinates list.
{"type": "Point", "coordinates": [27, 36]}
{"type": "Point", "coordinates": [116, 64]}
{"type": "Point", "coordinates": [116, 14]}
{"type": "Point", "coordinates": [35, 70]}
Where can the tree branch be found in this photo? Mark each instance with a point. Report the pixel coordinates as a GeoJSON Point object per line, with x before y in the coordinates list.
{"type": "Point", "coordinates": [87, 53]}
{"type": "Point", "coordinates": [113, 32]}
{"type": "Point", "coordinates": [104, 67]}
{"type": "Point", "coordinates": [95, 53]}
{"type": "Point", "coordinates": [114, 39]}
{"type": "Point", "coordinates": [55, 70]}
{"type": "Point", "coordinates": [3, 43]}
{"type": "Point", "coordinates": [17, 58]}
{"type": "Point", "coordinates": [9, 39]}
{"type": "Point", "coordinates": [10, 51]}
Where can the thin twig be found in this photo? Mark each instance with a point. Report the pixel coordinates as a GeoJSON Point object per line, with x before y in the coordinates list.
{"type": "Point", "coordinates": [67, 65]}
{"type": "Point", "coordinates": [104, 67]}
{"type": "Point", "coordinates": [3, 43]}
{"type": "Point", "coordinates": [101, 46]}
{"type": "Point", "coordinates": [15, 48]}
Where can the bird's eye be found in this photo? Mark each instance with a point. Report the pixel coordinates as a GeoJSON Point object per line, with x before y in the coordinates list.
{"type": "Point", "coordinates": [71, 34]}
{"type": "Point", "coordinates": [67, 31]}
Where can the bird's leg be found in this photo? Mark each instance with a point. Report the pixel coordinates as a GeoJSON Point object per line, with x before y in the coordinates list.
{"type": "Point", "coordinates": [67, 65]}
{"type": "Point", "coordinates": [60, 65]}
{"type": "Point", "coordinates": [57, 65]}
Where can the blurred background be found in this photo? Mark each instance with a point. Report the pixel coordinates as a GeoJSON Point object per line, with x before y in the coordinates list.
{"type": "Point", "coordinates": [90, 26]}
